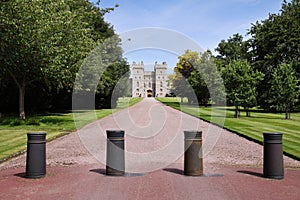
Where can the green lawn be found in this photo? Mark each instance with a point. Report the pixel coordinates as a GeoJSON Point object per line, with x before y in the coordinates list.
{"type": "Point", "coordinates": [13, 132]}
{"type": "Point", "coordinates": [249, 127]}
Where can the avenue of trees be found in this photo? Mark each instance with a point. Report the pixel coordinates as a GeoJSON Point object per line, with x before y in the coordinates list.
{"type": "Point", "coordinates": [42, 46]}
{"type": "Point", "coordinates": [262, 71]}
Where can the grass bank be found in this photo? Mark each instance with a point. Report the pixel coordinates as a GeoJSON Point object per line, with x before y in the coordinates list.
{"type": "Point", "coordinates": [249, 127]}
{"type": "Point", "coordinates": [13, 132]}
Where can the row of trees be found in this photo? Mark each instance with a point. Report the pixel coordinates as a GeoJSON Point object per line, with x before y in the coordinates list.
{"type": "Point", "coordinates": [43, 43]}
{"type": "Point", "coordinates": [263, 70]}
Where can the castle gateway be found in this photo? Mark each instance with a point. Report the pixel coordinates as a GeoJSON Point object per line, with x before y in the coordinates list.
{"type": "Point", "coordinates": [149, 83]}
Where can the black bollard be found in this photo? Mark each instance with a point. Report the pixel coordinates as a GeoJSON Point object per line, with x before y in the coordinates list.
{"type": "Point", "coordinates": [193, 161]}
{"type": "Point", "coordinates": [36, 155]}
{"type": "Point", "coordinates": [115, 156]}
{"type": "Point", "coordinates": [273, 156]}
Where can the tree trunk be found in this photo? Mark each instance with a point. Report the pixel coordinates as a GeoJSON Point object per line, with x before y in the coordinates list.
{"type": "Point", "coordinates": [21, 85]}
{"type": "Point", "coordinates": [237, 112]}
{"type": "Point", "coordinates": [22, 102]}
{"type": "Point", "coordinates": [287, 114]}
{"type": "Point", "coordinates": [248, 113]}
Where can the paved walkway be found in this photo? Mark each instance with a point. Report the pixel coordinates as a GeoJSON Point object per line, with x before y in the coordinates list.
{"type": "Point", "coordinates": [154, 149]}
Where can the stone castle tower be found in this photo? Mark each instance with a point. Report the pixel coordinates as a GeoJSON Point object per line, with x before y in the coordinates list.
{"type": "Point", "coordinates": [149, 83]}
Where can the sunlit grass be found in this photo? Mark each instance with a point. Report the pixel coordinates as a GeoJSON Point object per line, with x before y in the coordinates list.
{"type": "Point", "coordinates": [250, 127]}
{"type": "Point", "coordinates": [13, 133]}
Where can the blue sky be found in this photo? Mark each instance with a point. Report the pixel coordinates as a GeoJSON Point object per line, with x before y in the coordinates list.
{"type": "Point", "coordinates": [206, 22]}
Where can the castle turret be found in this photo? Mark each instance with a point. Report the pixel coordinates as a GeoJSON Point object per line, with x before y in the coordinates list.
{"type": "Point", "coordinates": [160, 79]}
{"type": "Point", "coordinates": [138, 70]}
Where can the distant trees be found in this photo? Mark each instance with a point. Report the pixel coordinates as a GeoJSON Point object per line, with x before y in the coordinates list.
{"type": "Point", "coordinates": [275, 41]}
{"type": "Point", "coordinates": [265, 69]}
{"type": "Point", "coordinates": [262, 71]}
{"type": "Point", "coordinates": [184, 72]}
{"type": "Point", "coordinates": [43, 43]}
{"type": "Point", "coordinates": [240, 82]}
{"type": "Point", "coordinates": [284, 90]}
{"type": "Point", "coordinates": [198, 77]}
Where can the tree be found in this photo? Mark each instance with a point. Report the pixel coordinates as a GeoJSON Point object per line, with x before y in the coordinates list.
{"type": "Point", "coordinates": [210, 80]}
{"type": "Point", "coordinates": [235, 48]}
{"type": "Point", "coordinates": [184, 69]}
{"type": "Point", "coordinates": [43, 40]}
{"type": "Point", "coordinates": [112, 84]}
{"type": "Point", "coordinates": [240, 82]}
{"type": "Point", "coordinates": [273, 41]}
{"type": "Point", "coordinates": [198, 77]}
{"type": "Point", "coordinates": [284, 90]}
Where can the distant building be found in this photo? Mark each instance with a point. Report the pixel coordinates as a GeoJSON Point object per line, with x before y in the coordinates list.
{"type": "Point", "coordinates": [149, 83]}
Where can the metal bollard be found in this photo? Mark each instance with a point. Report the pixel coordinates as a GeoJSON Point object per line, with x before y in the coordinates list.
{"type": "Point", "coordinates": [115, 156]}
{"type": "Point", "coordinates": [193, 161]}
{"type": "Point", "coordinates": [36, 155]}
{"type": "Point", "coordinates": [273, 156]}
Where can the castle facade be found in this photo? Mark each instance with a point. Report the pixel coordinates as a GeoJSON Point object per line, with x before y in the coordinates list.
{"type": "Point", "coordinates": [149, 83]}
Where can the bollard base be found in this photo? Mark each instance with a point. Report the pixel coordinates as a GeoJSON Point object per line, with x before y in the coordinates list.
{"type": "Point", "coordinates": [192, 174]}
{"type": "Point", "coordinates": [113, 172]}
{"type": "Point", "coordinates": [274, 177]}
{"type": "Point", "coordinates": [32, 176]}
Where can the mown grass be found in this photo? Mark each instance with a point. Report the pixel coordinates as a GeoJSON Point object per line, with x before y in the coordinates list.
{"type": "Point", "coordinates": [249, 127]}
{"type": "Point", "coordinates": [13, 132]}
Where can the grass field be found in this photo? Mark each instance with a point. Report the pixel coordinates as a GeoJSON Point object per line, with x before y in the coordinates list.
{"type": "Point", "coordinates": [13, 132]}
{"type": "Point", "coordinates": [250, 127]}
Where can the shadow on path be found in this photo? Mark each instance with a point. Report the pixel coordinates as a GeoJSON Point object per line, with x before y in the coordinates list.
{"type": "Point", "coordinates": [20, 175]}
{"type": "Point", "coordinates": [251, 173]}
{"type": "Point", "coordinates": [174, 170]}
{"type": "Point", "coordinates": [99, 171]}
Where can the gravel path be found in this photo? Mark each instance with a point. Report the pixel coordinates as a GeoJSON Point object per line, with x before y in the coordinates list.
{"type": "Point", "coordinates": [154, 140]}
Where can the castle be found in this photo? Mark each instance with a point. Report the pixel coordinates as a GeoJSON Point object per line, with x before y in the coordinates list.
{"type": "Point", "coordinates": [149, 83]}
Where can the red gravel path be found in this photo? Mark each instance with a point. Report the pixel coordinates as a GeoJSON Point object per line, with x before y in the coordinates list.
{"type": "Point", "coordinates": [73, 173]}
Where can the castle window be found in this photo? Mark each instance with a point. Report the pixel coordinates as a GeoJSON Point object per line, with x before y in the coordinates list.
{"type": "Point", "coordinates": [161, 84]}
{"type": "Point", "coordinates": [138, 84]}
{"type": "Point", "coordinates": [137, 89]}
{"type": "Point", "coordinates": [161, 89]}
{"type": "Point", "coordinates": [149, 84]}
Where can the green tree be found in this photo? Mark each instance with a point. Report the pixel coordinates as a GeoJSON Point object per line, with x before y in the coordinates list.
{"type": "Point", "coordinates": [234, 48]}
{"type": "Point", "coordinates": [240, 82]}
{"type": "Point", "coordinates": [273, 41]}
{"type": "Point", "coordinates": [184, 69]}
{"type": "Point", "coordinates": [284, 90]}
{"type": "Point", "coordinates": [198, 77]}
{"type": "Point", "coordinates": [44, 41]}
{"type": "Point", "coordinates": [210, 80]}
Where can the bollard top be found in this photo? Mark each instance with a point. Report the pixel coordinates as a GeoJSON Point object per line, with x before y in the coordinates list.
{"type": "Point", "coordinates": [272, 133]}
{"type": "Point", "coordinates": [36, 133]}
{"type": "Point", "coordinates": [192, 134]}
{"type": "Point", "coordinates": [115, 133]}
{"type": "Point", "coordinates": [36, 136]}
{"type": "Point", "coordinates": [272, 137]}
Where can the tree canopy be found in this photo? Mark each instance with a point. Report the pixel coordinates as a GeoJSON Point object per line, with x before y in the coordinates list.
{"type": "Point", "coordinates": [284, 91]}
{"type": "Point", "coordinates": [43, 42]}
